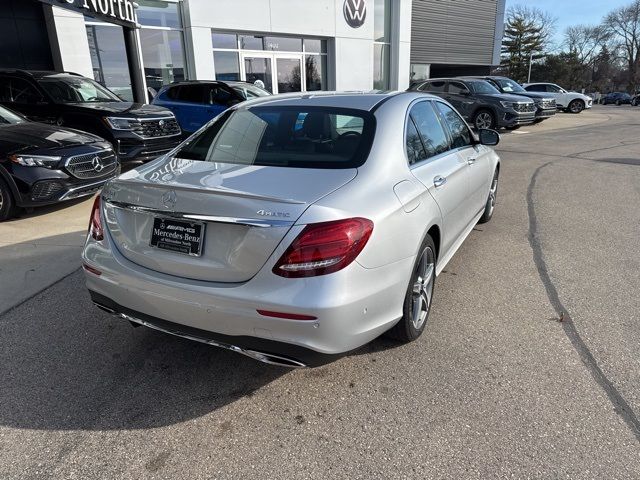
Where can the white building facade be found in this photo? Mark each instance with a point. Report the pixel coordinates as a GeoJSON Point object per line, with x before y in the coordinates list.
{"type": "Point", "coordinates": [285, 45]}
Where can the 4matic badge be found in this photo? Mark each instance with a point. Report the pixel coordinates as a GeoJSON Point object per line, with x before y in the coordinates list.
{"type": "Point", "coordinates": [268, 213]}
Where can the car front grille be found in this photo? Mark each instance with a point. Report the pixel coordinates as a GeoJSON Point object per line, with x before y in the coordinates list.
{"type": "Point", "coordinates": [524, 107]}
{"type": "Point", "coordinates": [92, 165]}
{"type": "Point", "coordinates": [546, 104]}
{"type": "Point", "coordinates": [157, 127]}
{"type": "Point", "coordinates": [45, 190]}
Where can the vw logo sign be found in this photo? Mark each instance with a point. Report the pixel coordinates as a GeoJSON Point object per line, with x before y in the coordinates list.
{"type": "Point", "coordinates": [355, 12]}
{"type": "Point", "coordinates": [169, 199]}
{"type": "Point", "coordinates": [161, 123]}
{"type": "Point", "coordinates": [97, 164]}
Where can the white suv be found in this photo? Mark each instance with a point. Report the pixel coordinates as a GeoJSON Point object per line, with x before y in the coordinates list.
{"type": "Point", "coordinates": [568, 101]}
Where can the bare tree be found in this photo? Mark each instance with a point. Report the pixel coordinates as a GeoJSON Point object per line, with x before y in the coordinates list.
{"type": "Point", "coordinates": [528, 33]}
{"type": "Point", "coordinates": [624, 24]}
{"type": "Point", "coordinates": [586, 41]}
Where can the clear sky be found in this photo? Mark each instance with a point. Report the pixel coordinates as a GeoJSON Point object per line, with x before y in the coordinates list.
{"type": "Point", "coordinates": [572, 12]}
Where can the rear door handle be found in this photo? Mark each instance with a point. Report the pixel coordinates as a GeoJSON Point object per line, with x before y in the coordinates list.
{"type": "Point", "coordinates": [439, 181]}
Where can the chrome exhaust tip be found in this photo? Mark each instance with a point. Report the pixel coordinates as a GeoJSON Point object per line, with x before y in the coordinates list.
{"type": "Point", "coordinates": [274, 359]}
{"type": "Point", "coordinates": [105, 309]}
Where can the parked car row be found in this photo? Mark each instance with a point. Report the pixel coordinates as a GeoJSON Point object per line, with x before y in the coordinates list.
{"type": "Point", "coordinates": [62, 136]}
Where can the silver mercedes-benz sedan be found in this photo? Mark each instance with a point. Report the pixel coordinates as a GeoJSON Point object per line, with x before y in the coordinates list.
{"type": "Point", "coordinates": [297, 227]}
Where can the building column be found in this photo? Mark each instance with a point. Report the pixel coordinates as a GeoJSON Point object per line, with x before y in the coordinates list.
{"type": "Point", "coordinates": [132, 45]}
{"type": "Point", "coordinates": [400, 44]}
{"type": "Point", "coordinates": [68, 40]}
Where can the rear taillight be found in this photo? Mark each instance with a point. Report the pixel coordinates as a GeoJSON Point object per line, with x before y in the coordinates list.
{"type": "Point", "coordinates": [95, 222]}
{"type": "Point", "coordinates": [323, 248]}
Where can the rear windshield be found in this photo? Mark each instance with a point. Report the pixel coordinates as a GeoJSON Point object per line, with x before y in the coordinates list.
{"type": "Point", "coordinates": [297, 137]}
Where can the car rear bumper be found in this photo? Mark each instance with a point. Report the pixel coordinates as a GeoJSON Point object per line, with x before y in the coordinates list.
{"type": "Point", "coordinates": [351, 307]}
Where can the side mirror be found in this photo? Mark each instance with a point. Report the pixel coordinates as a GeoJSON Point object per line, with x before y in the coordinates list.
{"type": "Point", "coordinates": [488, 137]}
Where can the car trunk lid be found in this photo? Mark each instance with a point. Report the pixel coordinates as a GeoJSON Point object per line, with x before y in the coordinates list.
{"type": "Point", "coordinates": [245, 211]}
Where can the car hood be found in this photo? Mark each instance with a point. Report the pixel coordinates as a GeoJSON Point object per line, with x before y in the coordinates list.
{"type": "Point", "coordinates": [39, 136]}
{"type": "Point", "coordinates": [122, 109]}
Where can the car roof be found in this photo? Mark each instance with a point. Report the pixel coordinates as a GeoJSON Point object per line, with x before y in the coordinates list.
{"type": "Point", "coordinates": [208, 82]}
{"type": "Point", "coordinates": [356, 100]}
{"type": "Point", "coordinates": [38, 74]}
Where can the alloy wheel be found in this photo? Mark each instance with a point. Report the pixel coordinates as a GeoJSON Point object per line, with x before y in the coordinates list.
{"type": "Point", "coordinates": [576, 106]}
{"type": "Point", "coordinates": [484, 120]}
{"type": "Point", "coordinates": [1, 200]}
{"type": "Point", "coordinates": [423, 288]}
{"type": "Point", "coordinates": [493, 193]}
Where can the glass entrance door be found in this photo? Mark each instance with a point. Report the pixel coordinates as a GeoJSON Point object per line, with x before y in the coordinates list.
{"type": "Point", "coordinates": [289, 74]}
{"type": "Point", "coordinates": [258, 70]}
{"type": "Point", "coordinates": [276, 73]}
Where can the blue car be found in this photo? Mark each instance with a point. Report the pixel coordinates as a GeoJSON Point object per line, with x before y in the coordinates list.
{"type": "Point", "coordinates": [194, 103]}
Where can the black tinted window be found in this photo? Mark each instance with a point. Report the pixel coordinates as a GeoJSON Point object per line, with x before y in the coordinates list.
{"type": "Point", "coordinates": [298, 137]}
{"type": "Point", "coordinates": [433, 87]}
{"type": "Point", "coordinates": [432, 134]}
{"type": "Point", "coordinates": [460, 134]}
{"type": "Point", "coordinates": [172, 93]}
{"type": "Point", "coordinates": [415, 149]}
{"type": "Point", "coordinates": [220, 96]}
{"type": "Point", "coordinates": [17, 90]}
{"type": "Point", "coordinates": [457, 88]}
{"type": "Point", "coordinates": [191, 93]}
{"type": "Point", "coordinates": [536, 88]}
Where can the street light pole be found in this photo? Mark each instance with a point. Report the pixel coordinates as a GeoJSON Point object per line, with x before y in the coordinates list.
{"type": "Point", "coordinates": [530, 62]}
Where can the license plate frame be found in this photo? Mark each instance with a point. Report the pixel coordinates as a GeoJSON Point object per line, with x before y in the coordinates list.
{"type": "Point", "coordinates": [174, 235]}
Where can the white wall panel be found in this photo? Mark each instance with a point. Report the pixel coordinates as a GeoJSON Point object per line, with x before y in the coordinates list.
{"type": "Point", "coordinates": [72, 50]}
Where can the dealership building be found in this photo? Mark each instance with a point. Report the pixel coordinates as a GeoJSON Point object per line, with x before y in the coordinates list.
{"type": "Point", "coordinates": [285, 45]}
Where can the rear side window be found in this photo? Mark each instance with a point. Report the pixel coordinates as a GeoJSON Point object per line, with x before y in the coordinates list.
{"type": "Point", "coordinates": [432, 134]}
{"type": "Point", "coordinates": [17, 90]}
{"type": "Point", "coordinates": [456, 88]}
{"type": "Point", "coordinates": [297, 137]}
{"type": "Point", "coordinates": [536, 88]}
{"type": "Point", "coordinates": [172, 93]}
{"type": "Point", "coordinates": [433, 87]}
{"type": "Point", "coordinates": [191, 93]}
{"type": "Point", "coordinates": [460, 134]}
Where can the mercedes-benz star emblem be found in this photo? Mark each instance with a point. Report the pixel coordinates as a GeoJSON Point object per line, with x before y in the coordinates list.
{"type": "Point", "coordinates": [355, 12]}
{"type": "Point", "coordinates": [169, 199]}
{"type": "Point", "coordinates": [97, 164]}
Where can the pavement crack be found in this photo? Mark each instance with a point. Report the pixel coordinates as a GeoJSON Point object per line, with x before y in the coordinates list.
{"type": "Point", "coordinates": [620, 405]}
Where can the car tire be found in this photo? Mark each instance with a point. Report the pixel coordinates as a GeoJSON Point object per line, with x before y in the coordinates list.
{"type": "Point", "coordinates": [484, 119]}
{"type": "Point", "coordinates": [7, 203]}
{"type": "Point", "coordinates": [490, 206]}
{"type": "Point", "coordinates": [513, 127]}
{"type": "Point", "coordinates": [539, 120]}
{"type": "Point", "coordinates": [576, 106]}
{"type": "Point", "coordinates": [419, 296]}
{"type": "Point", "coordinates": [618, 103]}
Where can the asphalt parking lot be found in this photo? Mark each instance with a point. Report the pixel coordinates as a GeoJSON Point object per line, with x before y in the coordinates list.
{"type": "Point", "coordinates": [529, 367]}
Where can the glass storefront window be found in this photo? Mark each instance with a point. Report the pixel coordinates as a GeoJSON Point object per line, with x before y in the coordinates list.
{"type": "Point", "coordinates": [381, 66]}
{"type": "Point", "coordinates": [283, 44]}
{"type": "Point", "coordinates": [109, 59]}
{"type": "Point", "coordinates": [224, 40]}
{"type": "Point", "coordinates": [163, 57]}
{"type": "Point", "coordinates": [419, 72]}
{"type": "Point", "coordinates": [226, 66]}
{"type": "Point", "coordinates": [315, 46]}
{"type": "Point", "coordinates": [316, 71]}
{"type": "Point", "coordinates": [278, 64]}
{"type": "Point", "coordinates": [156, 13]}
{"type": "Point", "coordinates": [382, 20]}
{"type": "Point", "coordinates": [251, 42]}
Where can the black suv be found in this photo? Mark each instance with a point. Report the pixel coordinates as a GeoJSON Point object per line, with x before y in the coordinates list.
{"type": "Point", "coordinates": [138, 132]}
{"type": "Point", "coordinates": [545, 105]}
{"type": "Point", "coordinates": [43, 164]}
{"type": "Point", "coordinates": [480, 103]}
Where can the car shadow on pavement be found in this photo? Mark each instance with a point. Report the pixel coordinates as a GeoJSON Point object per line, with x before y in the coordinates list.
{"type": "Point", "coordinates": [65, 365]}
